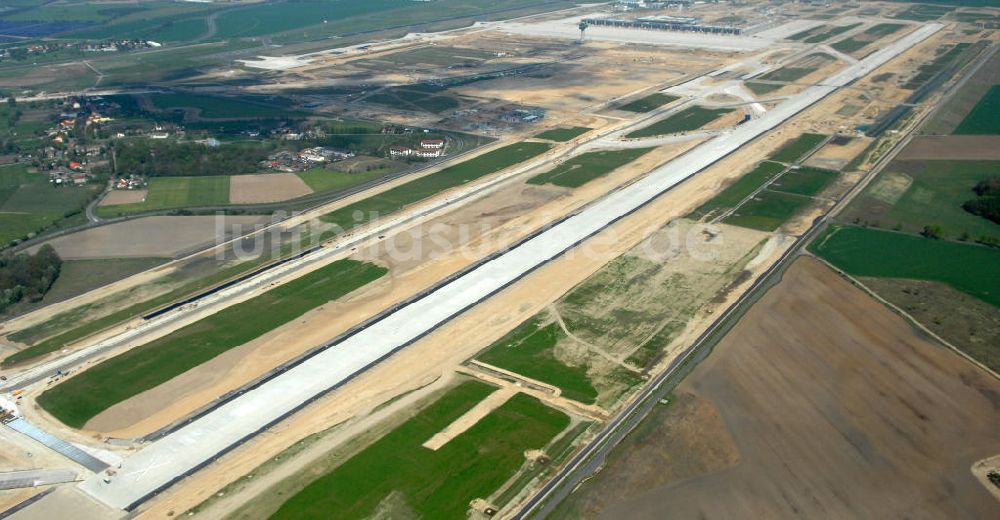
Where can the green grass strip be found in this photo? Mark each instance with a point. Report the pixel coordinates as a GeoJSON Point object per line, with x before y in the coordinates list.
{"type": "Point", "coordinates": [691, 118]}
{"type": "Point", "coordinates": [80, 398]}
{"type": "Point", "coordinates": [739, 190]}
{"type": "Point", "coordinates": [587, 167]}
{"type": "Point", "coordinates": [423, 483]}
{"type": "Point", "coordinates": [648, 103]}
{"type": "Point", "coordinates": [795, 149]}
{"type": "Point", "coordinates": [563, 134]}
{"type": "Point", "coordinates": [392, 200]}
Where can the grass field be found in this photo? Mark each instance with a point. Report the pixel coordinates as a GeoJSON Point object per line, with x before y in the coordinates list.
{"type": "Point", "coordinates": [686, 120]}
{"type": "Point", "coordinates": [399, 478]}
{"type": "Point", "coordinates": [15, 226]}
{"type": "Point", "coordinates": [648, 103]}
{"type": "Point", "coordinates": [804, 181]}
{"type": "Point", "coordinates": [985, 116]}
{"type": "Point", "coordinates": [78, 399]}
{"type": "Point", "coordinates": [213, 107]}
{"type": "Point", "coordinates": [176, 192]}
{"type": "Point", "coordinates": [869, 35]}
{"type": "Point", "coordinates": [587, 167]}
{"type": "Point", "coordinates": [924, 12]}
{"type": "Point", "coordinates": [528, 350]}
{"type": "Point", "coordinates": [394, 199]}
{"type": "Point", "coordinates": [562, 135]}
{"type": "Point", "coordinates": [870, 252]}
{"type": "Point", "coordinates": [739, 190]}
{"type": "Point", "coordinates": [30, 207]}
{"type": "Point", "coordinates": [909, 195]}
{"type": "Point", "coordinates": [322, 179]}
{"type": "Point", "coordinates": [794, 150]}
{"type": "Point", "coordinates": [762, 88]}
{"type": "Point", "coordinates": [829, 32]}
{"type": "Point", "coordinates": [768, 210]}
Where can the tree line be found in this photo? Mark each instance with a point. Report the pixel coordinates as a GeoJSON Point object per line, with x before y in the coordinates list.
{"type": "Point", "coordinates": [987, 201]}
{"type": "Point", "coordinates": [167, 159]}
{"type": "Point", "coordinates": [27, 277]}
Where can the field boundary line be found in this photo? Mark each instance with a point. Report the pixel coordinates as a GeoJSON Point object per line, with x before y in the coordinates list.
{"type": "Point", "coordinates": [905, 315]}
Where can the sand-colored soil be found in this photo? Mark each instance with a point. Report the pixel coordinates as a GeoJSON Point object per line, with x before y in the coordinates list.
{"type": "Point", "coordinates": [165, 236]}
{"type": "Point", "coordinates": [266, 187]}
{"type": "Point", "coordinates": [837, 409]}
{"type": "Point", "coordinates": [417, 258]}
{"type": "Point", "coordinates": [836, 156]}
{"type": "Point", "coordinates": [123, 197]}
{"type": "Point", "coordinates": [470, 418]}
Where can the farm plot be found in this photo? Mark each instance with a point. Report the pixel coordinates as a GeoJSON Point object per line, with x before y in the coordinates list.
{"type": "Point", "coordinates": [747, 421]}
{"type": "Point", "coordinates": [586, 167]}
{"type": "Point", "coordinates": [649, 103]}
{"type": "Point", "coordinates": [597, 340]}
{"type": "Point", "coordinates": [884, 254]}
{"type": "Point", "coordinates": [30, 208]}
{"type": "Point", "coordinates": [804, 181]}
{"type": "Point", "coordinates": [910, 194]}
{"type": "Point", "coordinates": [561, 135]}
{"type": "Point", "coordinates": [398, 478]}
{"type": "Point", "coordinates": [686, 120]}
{"type": "Point", "coordinates": [984, 116]}
{"type": "Point", "coordinates": [396, 198]}
{"type": "Point", "coordinates": [79, 398]}
{"type": "Point", "coordinates": [266, 187]}
{"type": "Point", "coordinates": [176, 192]}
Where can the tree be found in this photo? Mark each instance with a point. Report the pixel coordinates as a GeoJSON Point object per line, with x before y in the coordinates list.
{"type": "Point", "coordinates": [933, 231]}
{"type": "Point", "coordinates": [11, 102]}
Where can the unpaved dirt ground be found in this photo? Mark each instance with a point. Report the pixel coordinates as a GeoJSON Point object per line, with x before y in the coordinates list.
{"type": "Point", "coordinates": [957, 147]}
{"type": "Point", "coordinates": [836, 156]}
{"type": "Point", "coordinates": [123, 197]}
{"type": "Point", "coordinates": [266, 187]}
{"type": "Point", "coordinates": [470, 418]}
{"type": "Point", "coordinates": [837, 409]}
{"type": "Point", "coordinates": [165, 236]}
{"type": "Point", "coordinates": [417, 258]}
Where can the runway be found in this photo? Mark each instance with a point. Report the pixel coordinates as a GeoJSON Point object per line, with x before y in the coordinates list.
{"type": "Point", "coordinates": [163, 462]}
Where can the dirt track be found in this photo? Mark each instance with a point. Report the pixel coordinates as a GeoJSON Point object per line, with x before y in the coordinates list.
{"type": "Point", "coordinates": [836, 408]}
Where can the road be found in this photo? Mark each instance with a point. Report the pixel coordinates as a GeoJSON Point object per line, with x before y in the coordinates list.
{"type": "Point", "coordinates": [593, 456]}
{"type": "Point", "coordinates": [169, 459]}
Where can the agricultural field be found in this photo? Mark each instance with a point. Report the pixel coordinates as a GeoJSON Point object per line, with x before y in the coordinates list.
{"type": "Point", "coordinates": [330, 179]}
{"type": "Point", "coordinates": [598, 339]}
{"type": "Point", "coordinates": [397, 477]}
{"type": "Point", "coordinates": [30, 204]}
{"type": "Point", "coordinates": [983, 119]}
{"type": "Point", "coordinates": [746, 423]}
{"type": "Point", "coordinates": [960, 105]}
{"type": "Point", "coordinates": [561, 135]}
{"type": "Point", "coordinates": [804, 181]}
{"type": "Point", "coordinates": [911, 194]}
{"type": "Point", "coordinates": [884, 254]}
{"type": "Point", "coordinates": [733, 194]}
{"type": "Point", "coordinates": [174, 193]}
{"type": "Point", "coordinates": [686, 120]}
{"type": "Point", "coordinates": [78, 399]}
{"type": "Point", "coordinates": [584, 168]}
{"type": "Point", "coordinates": [394, 199]}
{"type": "Point", "coordinates": [403, 98]}
{"type": "Point", "coordinates": [648, 103]}
{"type": "Point", "coordinates": [794, 150]}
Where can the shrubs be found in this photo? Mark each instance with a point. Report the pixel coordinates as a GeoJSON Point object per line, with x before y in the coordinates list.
{"type": "Point", "coordinates": [987, 203]}
{"type": "Point", "coordinates": [27, 277]}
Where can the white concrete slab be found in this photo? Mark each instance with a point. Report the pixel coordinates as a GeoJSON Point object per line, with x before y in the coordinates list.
{"type": "Point", "coordinates": [170, 458]}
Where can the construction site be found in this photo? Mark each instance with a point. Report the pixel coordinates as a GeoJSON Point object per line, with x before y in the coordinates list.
{"type": "Point", "coordinates": [647, 168]}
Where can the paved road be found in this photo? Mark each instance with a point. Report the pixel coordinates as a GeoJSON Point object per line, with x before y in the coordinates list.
{"type": "Point", "coordinates": [174, 456]}
{"type": "Point", "coordinates": [35, 477]}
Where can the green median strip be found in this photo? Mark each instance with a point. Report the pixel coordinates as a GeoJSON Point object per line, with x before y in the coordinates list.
{"type": "Point", "coordinates": [587, 167]}
{"type": "Point", "coordinates": [396, 477]}
{"type": "Point", "coordinates": [392, 200]}
{"type": "Point", "coordinates": [563, 134]}
{"type": "Point", "coordinates": [649, 103]}
{"type": "Point", "coordinates": [739, 190]}
{"type": "Point", "coordinates": [78, 399]}
{"type": "Point", "coordinates": [795, 149]}
{"type": "Point", "coordinates": [691, 118]}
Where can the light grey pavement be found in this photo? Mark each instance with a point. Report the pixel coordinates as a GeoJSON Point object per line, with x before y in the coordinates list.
{"type": "Point", "coordinates": [171, 458]}
{"type": "Point", "coordinates": [35, 477]}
